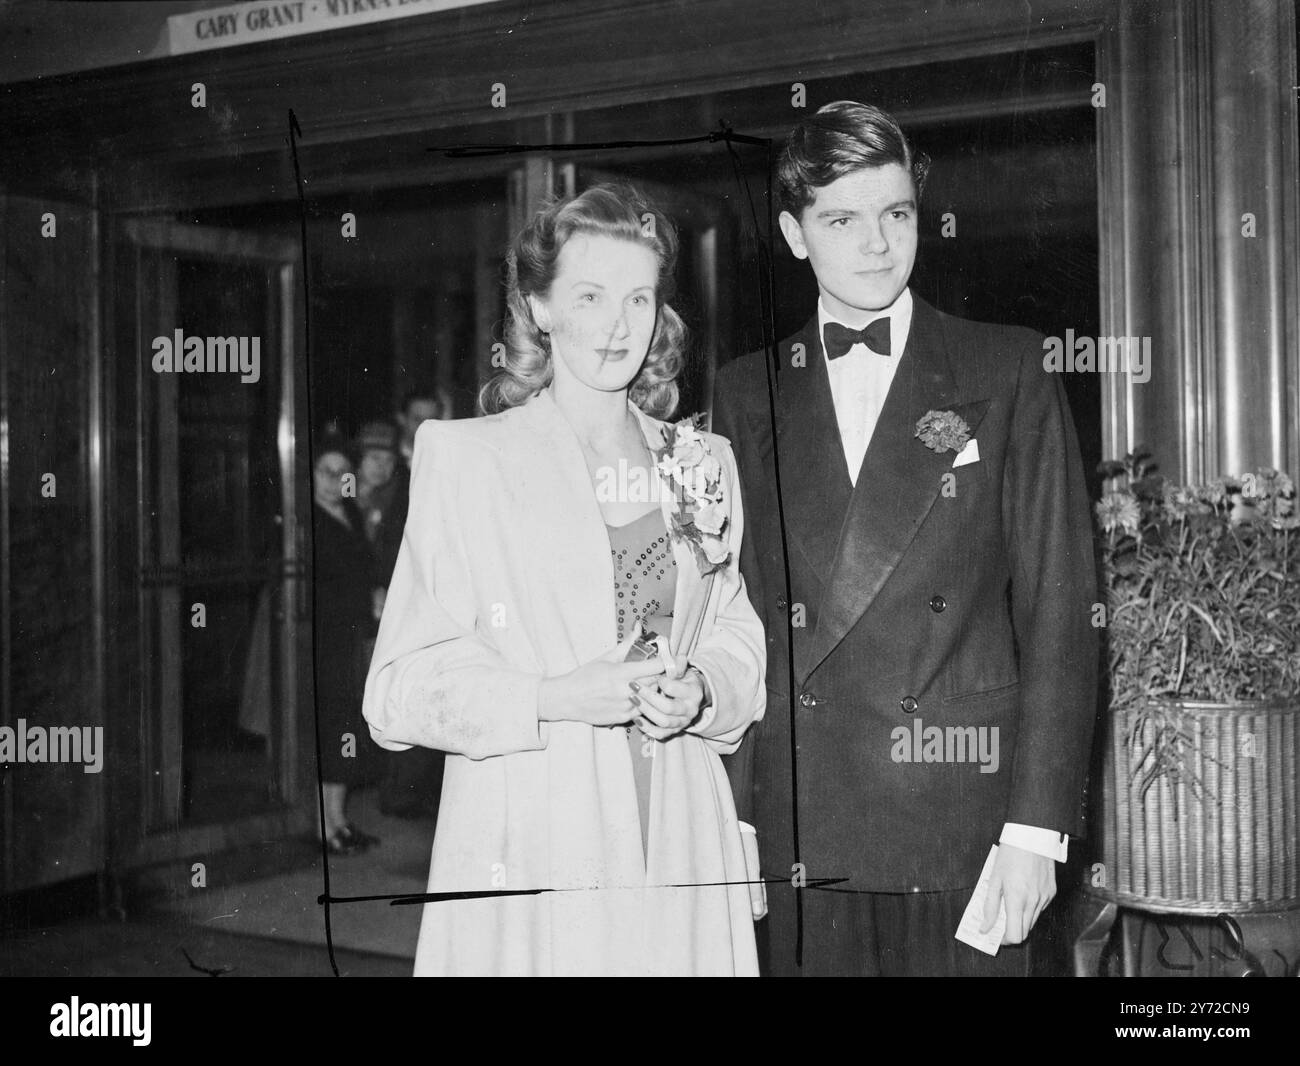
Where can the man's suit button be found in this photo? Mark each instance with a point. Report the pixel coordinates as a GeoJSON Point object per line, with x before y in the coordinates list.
{"type": "Point", "coordinates": [937, 604]}
{"type": "Point", "coordinates": [807, 699]}
{"type": "Point", "coordinates": [780, 603]}
{"type": "Point", "coordinates": [909, 704]}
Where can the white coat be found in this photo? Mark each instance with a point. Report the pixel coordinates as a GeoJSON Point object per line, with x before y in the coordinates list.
{"type": "Point", "coordinates": [504, 578]}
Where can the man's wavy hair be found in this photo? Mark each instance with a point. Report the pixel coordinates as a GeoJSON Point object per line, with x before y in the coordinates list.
{"type": "Point", "coordinates": [606, 210]}
{"type": "Point", "coordinates": [839, 139]}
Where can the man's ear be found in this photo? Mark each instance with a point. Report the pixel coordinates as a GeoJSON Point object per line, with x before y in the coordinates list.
{"type": "Point", "coordinates": [793, 233]}
{"type": "Point", "coordinates": [541, 315]}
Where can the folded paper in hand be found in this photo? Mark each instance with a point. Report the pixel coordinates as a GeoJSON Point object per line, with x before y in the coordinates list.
{"type": "Point", "coordinates": [753, 874]}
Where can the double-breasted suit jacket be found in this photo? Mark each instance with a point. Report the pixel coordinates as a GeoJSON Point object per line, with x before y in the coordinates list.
{"type": "Point", "coordinates": [505, 577]}
{"type": "Point", "coordinates": [929, 595]}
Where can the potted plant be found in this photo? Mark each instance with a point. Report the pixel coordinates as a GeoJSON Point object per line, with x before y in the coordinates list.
{"type": "Point", "coordinates": [1202, 612]}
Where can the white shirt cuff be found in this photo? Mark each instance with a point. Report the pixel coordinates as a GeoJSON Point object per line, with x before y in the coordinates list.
{"type": "Point", "coordinates": [1040, 841]}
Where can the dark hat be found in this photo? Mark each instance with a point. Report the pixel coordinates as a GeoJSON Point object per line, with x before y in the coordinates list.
{"type": "Point", "coordinates": [333, 443]}
{"type": "Point", "coordinates": [377, 436]}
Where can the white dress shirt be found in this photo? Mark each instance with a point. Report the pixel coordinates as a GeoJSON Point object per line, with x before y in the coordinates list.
{"type": "Point", "coordinates": [860, 381]}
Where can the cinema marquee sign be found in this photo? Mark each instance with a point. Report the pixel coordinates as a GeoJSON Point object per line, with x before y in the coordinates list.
{"type": "Point", "coordinates": [225, 27]}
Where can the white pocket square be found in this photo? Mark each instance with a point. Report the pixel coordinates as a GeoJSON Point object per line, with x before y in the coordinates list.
{"type": "Point", "coordinates": [969, 454]}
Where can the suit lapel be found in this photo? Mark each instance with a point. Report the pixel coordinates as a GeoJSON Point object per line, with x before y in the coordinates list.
{"type": "Point", "coordinates": [814, 476]}
{"type": "Point", "coordinates": [899, 481]}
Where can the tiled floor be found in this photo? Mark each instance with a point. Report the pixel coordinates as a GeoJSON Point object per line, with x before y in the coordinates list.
{"type": "Point", "coordinates": [157, 947]}
{"type": "Point", "coordinates": [251, 923]}
{"type": "Point", "coordinates": [285, 905]}
{"type": "Point", "coordinates": [259, 916]}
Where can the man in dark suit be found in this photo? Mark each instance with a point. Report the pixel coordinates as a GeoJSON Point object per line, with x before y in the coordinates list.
{"type": "Point", "coordinates": [940, 594]}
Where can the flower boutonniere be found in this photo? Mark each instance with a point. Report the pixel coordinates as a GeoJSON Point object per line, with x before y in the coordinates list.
{"type": "Point", "coordinates": [693, 477]}
{"type": "Point", "coordinates": [942, 431]}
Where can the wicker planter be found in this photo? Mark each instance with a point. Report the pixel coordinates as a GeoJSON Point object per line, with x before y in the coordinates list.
{"type": "Point", "coordinates": [1219, 834]}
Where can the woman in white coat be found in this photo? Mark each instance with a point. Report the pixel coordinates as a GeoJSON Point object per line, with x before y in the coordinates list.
{"type": "Point", "coordinates": [538, 539]}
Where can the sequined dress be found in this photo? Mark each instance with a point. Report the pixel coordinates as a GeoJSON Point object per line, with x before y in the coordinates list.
{"type": "Point", "coordinates": [645, 582]}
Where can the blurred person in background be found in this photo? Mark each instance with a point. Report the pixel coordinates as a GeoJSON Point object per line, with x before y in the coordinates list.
{"type": "Point", "coordinates": [376, 485]}
{"type": "Point", "coordinates": [345, 582]}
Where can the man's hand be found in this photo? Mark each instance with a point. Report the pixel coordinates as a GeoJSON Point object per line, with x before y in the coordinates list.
{"type": "Point", "coordinates": [1027, 881]}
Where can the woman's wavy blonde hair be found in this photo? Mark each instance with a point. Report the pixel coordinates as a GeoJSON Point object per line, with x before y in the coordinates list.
{"type": "Point", "coordinates": [605, 210]}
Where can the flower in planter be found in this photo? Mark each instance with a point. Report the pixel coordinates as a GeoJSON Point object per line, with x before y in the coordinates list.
{"type": "Point", "coordinates": [1274, 497]}
{"type": "Point", "coordinates": [1181, 502]}
{"type": "Point", "coordinates": [1273, 483]}
{"type": "Point", "coordinates": [1119, 510]}
{"type": "Point", "coordinates": [1215, 494]}
{"type": "Point", "coordinates": [1203, 585]}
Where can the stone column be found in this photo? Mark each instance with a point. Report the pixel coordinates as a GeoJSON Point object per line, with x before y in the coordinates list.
{"type": "Point", "coordinates": [1199, 237]}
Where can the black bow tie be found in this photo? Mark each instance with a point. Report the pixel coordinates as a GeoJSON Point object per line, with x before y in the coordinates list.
{"type": "Point", "coordinates": [839, 339]}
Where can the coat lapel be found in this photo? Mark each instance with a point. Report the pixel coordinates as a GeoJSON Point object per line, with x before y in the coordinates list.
{"type": "Point", "coordinates": [814, 476]}
{"type": "Point", "coordinates": [899, 482]}
{"type": "Point", "coordinates": [692, 590]}
{"type": "Point", "coordinates": [555, 493]}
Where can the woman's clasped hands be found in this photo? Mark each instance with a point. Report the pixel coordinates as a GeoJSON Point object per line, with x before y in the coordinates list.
{"type": "Point", "coordinates": [663, 696]}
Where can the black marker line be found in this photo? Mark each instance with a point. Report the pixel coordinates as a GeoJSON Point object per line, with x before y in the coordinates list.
{"type": "Point", "coordinates": [295, 131]}
{"type": "Point", "coordinates": [479, 151]}
{"type": "Point", "coordinates": [490, 893]}
{"type": "Point", "coordinates": [767, 260]}
{"type": "Point", "coordinates": [773, 368]}
{"type": "Point", "coordinates": [767, 301]}
{"type": "Point", "coordinates": [211, 971]}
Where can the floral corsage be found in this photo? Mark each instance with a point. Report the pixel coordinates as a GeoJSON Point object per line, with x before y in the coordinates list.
{"type": "Point", "coordinates": [693, 478]}
{"type": "Point", "coordinates": [942, 431]}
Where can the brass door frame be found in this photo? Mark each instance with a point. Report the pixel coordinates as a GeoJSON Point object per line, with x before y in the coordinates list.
{"type": "Point", "coordinates": [158, 834]}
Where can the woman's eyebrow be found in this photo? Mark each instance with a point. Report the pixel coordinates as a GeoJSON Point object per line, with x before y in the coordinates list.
{"type": "Point", "coordinates": [598, 285]}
